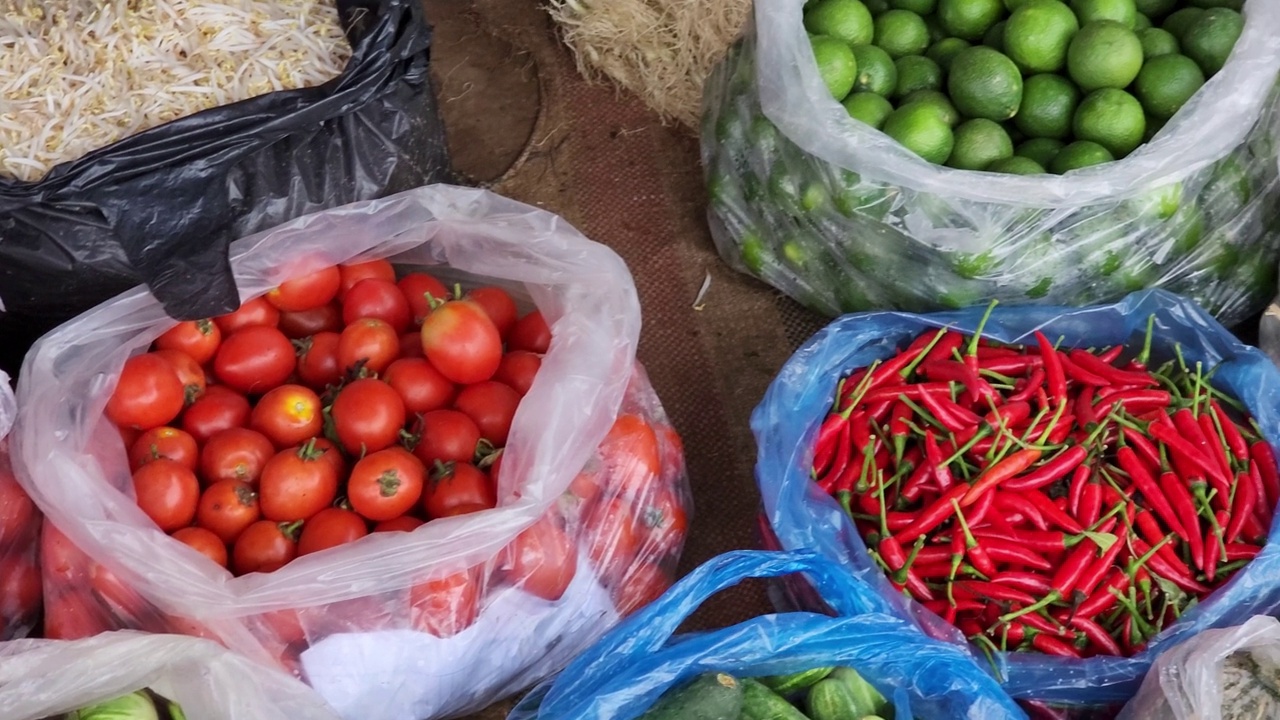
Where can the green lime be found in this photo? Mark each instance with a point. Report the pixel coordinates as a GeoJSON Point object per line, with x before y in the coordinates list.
{"type": "Point", "coordinates": [921, 130]}
{"type": "Point", "coordinates": [876, 71]}
{"type": "Point", "coordinates": [919, 7]}
{"type": "Point", "coordinates": [1121, 11]}
{"type": "Point", "coordinates": [1182, 20]}
{"type": "Point", "coordinates": [1104, 54]}
{"type": "Point", "coordinates": [938, 101]}
{"type": "Point", "coordinates": [994, 38]}
{"type": "Point", "coordinates": [1079, 154]}
{"type": "Point", "coordinates": [978, 143]}
{"type": "Point", "coordinates": [1157, 42]}
{"type": "Point", "coordinates": [1161, 203]}
{"type": "Point", "coordinates": [835, 64]}
{"type": "Point", "coordinates": [1113, 119]}
{"type": "Point", "coordinates": [969, 19]}
{"type": "Point", "coordinates": [753, 251]}
{"type": "Point", "coordinates": [1016, 165]}
{"type": "Point", "coordinates": [1166, 83]}
{"type": "Point", "coordinates": [945, 51]}
{"type": "Point", "coordinates": [1041, 150]}
{"type": "Point", "coordinates": [985, 83]}
{"type": "Point", "coordinates": [847, 20]}
{"type": "Point", "coordinates": [901, 32]}
{"type": "Point", "coordinates": [1142, 23]}
{"type": "Point", "coordinates": [917, 72]}
{"type": "Point", "coordinates": [1210, 41]}
{"type": "Point", "coordinates": [1038, 35]}
{"type": "Point", "coordinates": [1155, 9]}
{"type": "Point", "coordinates": [1048, 106]}
{"type": "Point", "coordinates": [870, 108]}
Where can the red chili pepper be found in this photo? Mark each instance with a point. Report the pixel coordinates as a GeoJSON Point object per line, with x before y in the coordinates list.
{"type": "Point", "coordinates": [1135, 402]}
{"type": "Point", "coordinates": [1084, 407]}
{"type": "Point", "coordinates": [1050, 472]}
{"type": "Point", "coordinates": [950, 342]}
{"type": "Point", "coordinates": [931, 554]}
{"type": "Point", "coordinates": [934, 515]}
{"type": "Point", "coordinates": [1217, 445]}
{"type": "Point", "coordinates": [992, 477]}
{"type": "Point", "coordinates": [1035, 540]}
{"type": "Point", "coordinates": [1149, 528]}
{"type": "Point", "coordinates": [1184, 437]}
{"type": "Point", "coordinates": [1075, 490]}
{"type": "Point", "coordinates": [911, 392]}
{"type": "Point", "coordinates": [959, 372]}
{"type": "Point", "coordinates": [898, 429]}
{"type": "Point", "coordinates": [1111, 354]}
{"type": "Point", "coordinates": [974, 550]}
{"type": "Point", "coordinates": [1096, 635]}
{"type": "Point", "coordinates": [1102, 598]}
{"type": "Point", "coordinates": [1052, 513]}
{"type": "Point", "coordinates": [1050, 645]}
{"type": "Point", "coordinates": [1265, 459]}
{"type": "Point", "coordinates": [986, 352]}
{"type": "Point", "coordinates": [899, 521]}
{"type": "Point", "coordinates": [1111, 374]}
{"type": "Point", "coordinates": [978, 590]}
{"type": "Point", "coordinates": [1144, 448]}
{"type": "Point", "coordinates": [1254, 529]}
{"type": "Point", "coordinates": [1014, 503]}
{"type": "Point", "coordinates": [1158, 566]}
{"type": "Point", "coordinates": [1096, 571]}
{"type": "Point", "coordinates": [1034, 382]}
{"type": "Point", "coordinates": [1180, 499]}
{"type": "Point", "coordinates": [888, 371]}
{"type": "Point", "coordinates": [1090, 504]}
{"type": "Point", "coordinates": [1073, 569]}
{"type": "Point", "coordinates": [1010, 364]}
{"type": "Point", "coordinates": [1054, 373]}
{"type": "Point", "coordinates": [1028, 582]}
{"type": "Point", "coordinates": [1241, 551]}
{"type": "Point", "coordinates": [952, 416]}
{"type": "Point", "coordinates": [1003, 551]}
{"type": "Point", "coordinates": [1230, 433]}
{"type": "Point", "coordinates": [913, 488]}
{"type": "Point", "coordinates": [916, 587]}
{"type": "Point", "coordinates": [981, 510]}
{"type": "Point", "coordinates": [1214, 548]}
{"type": "Point", "coordinates": [933, 457]}
{"type": "Point", "coordinates": [1146, 484]}
{"type": "Point", "coordinates": [1243, 507]}
{"type": "Point", "coordinates": [1078, 374]}
{"type": "Point", "coordinates": [824, 448]}
{"type": "Point", "coordinates": [891, 552]}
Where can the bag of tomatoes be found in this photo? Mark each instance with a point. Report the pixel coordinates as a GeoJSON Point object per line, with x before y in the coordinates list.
{"type": "Point", "coordinates": [19, 538]}
{"type": "Point", "coordinates": [421, 448]}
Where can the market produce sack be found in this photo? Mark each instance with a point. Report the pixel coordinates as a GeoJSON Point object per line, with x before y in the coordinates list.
{"type": "Point", "coordinates": [160, 207]}
{"type": "Point", "coordinates": [444, 606]}
{"type": "Point", "coordinates": [801, 515]}
{"type": "Point", "coordinates": [43, 678]}
{"type": "Point", "coordinates": [625, 673]}
{"type": "Point", "coordinates": [19, 537]}
{"type": "Point", "coordinates": [843, 218]}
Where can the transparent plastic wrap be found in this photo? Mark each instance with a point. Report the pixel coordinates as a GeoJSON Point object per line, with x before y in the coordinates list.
{"type": "Point", "coordinates": [19, 537]}
{"type": "Point", "coordinates": [800, 515]}
{"type": "Point", "coordinates": [446, 604]}
{"type": "Point", "coordinates": [631, 667]}
{"type": "Point", "coordinates": [42, 678]}
{"type": "Point", "coordinates": [842, 218]}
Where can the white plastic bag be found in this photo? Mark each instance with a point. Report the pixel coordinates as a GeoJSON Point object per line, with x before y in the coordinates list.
{"type": "Point", "coordinates": [365, 597]}
{"type": "Point", "coordinates": [40, 678]}
{"type": "Point", "coordinates": [842, 218]}
{"type": "Point", "coordinates": [19, 537]}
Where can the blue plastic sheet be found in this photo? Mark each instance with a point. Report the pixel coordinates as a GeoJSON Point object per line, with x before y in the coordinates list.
{"type": "Point", "coordinates": [630, 668]}
{"type": "Point", "coordinates": [801, 516]}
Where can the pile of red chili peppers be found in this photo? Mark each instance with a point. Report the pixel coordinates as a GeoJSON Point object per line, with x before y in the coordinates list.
{"type": "Point", "coordinates": [1072, 502]}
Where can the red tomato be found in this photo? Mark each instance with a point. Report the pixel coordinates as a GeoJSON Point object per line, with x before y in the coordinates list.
{"type": "Point", "coordinates": [518, 369]}
{"type": "Point", "coordinates": [264, 546]}
{"type": "Point", "coordinates": [446, 606]}
{"type": "Point", "coordinates": [299, 325]}
{"type": "Point", "coordinates": [404, 523]}
{"type": "Point", "coordinates": [197, 338]}
{"type": "Point", "coordinates": [664, 520]}
{"type": "Point", "coordinates": [307, 292]}
{"type": "Point", "coordinates": [20, 591]}
{"type": "Point", "coordinates": [288, 415]}
{"type": "Point", "coordinates": [167, 492]}
{"type": "Point", "coordinates": [613, 539]}
{"type": "Point", "coordinates": [17, 511]}
{"type": "Point", "coordinates": [531, 334]}
{"type": "Point", "coordinates": [458, 485]}
{"type": "Point", "coordinates": [251, 313]}
{"type": "Point", "coordinates": [235, 454]}
{"type": "Point", "coordinates": [420, 385]}
{"type": "Point", "coordinates": [220, 409]}
{"type": "Point", "coordinates": [462, 342]}
{"type": "Point", "coordinates": [368, 343]}
{"type": "Point", "coordinates": [227, 507]}
{"type": "Point", "coordinates": [420, 289]}
{"type": "Point", "coordinates": [411, 345]}
{"type": "Point", "coordinates": [630, 453]}
{"type": "Point", "coordinates": [255, 359]}
{"type": "Point", "coordinates": [148, 394]}
{"type": "Point", "coordinates": [492, 406]}
{"type": "Point", "coordinates": [318, 364]}
{"type": "Point", "coordinates": [583, 492]}
{"type": "Point", "coordinates": [331, 454]}
{"type": "Point", "coordinates": [368, 416]}
{"type": "Point", "coordinates": [164, 442]}
{"type": "Point", "coordinates": [355, 272]}
{"type": "Point", "coordinates": [498, 305]}
{"type": "Point", "coordinates": [190, 374]}
{"type": "Point", "coordinates": [203, 542]}
{"type": "Point", "coordinates": [379, 299]}
{"type": "Point", "coordinates": [447, 436]}
{"type": "Point", "coordinates": [331, 527]}
{"type": "Point", "coordinates": [296, 484]}
{"type": "Point", "coordinates": [72, 616]}
{"type": "Point", "coordinates": [385, 484]}
{"type": "Point", "coordinates": [541, 560]}
{"type": "Point", "coordinates": [643, 585]}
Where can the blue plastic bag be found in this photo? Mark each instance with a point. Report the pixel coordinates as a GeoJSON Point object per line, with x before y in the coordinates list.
{"type": "Point", "coordinates": [623, 674]}
{"type": "Point", "coordinates": [800, 515]}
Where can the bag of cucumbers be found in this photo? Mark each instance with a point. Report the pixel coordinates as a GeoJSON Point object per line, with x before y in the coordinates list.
{"type": "Point", "coordinates": [860, 664]}
{"type": "Point", "coordinates": [817, 127]}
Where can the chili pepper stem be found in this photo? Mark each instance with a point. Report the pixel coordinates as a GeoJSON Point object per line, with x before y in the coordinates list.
{"type": "Point", "coordinates": [972, 350]}
{"type": "Point", "coordinates": [1145, 355]}
{"type": "Point", "coordinates": [905, 372]}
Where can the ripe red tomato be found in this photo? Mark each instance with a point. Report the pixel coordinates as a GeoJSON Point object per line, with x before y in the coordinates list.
{"type": "Point", "coordinates": [644, 584]}
{"type": "Point", "coordinates": [379, 299]}
{"type": "Point", "coordinates": [220, 409]}
{"type": "Point", "coordinates": [492, 406]}
{"type": "Point", "coordinates": [518, 369]}
{"type": "Point", "coordinates": [330, 454]}
{"type": "Point", "coordinates": [355, 272]}
{"type": "Point", "coordinates": [164, 442]}
{"type": "Point", "coordinates": [420, 385]}
{"type": "Point", "coordinates": [664, 520]}
{"type": "Point", "coordinates": [288, 415]}
{"type": "Point", "coordinates": [227, 507]}
{"type": "Point", "coordinates": [318, 364]}
{"type": "Point", "coordinates": [255, 359]}
{"type": "Point", "coordinates": [306, 292]}
{"type": "Point", "coordinates": [630, 453]}
{"type": "Point", "coordinates": [498, 305]}
{"type": "Point", "coordinates": [462, 342]}
{"type": "Point", "coordinates": [148, 394]}
{"type": "Point", "coordinates": [541, 560]}
{"type": "Point", "coordinates": [447, 436]}
{"type": "Point", "coordinates": [404, 523]}
{"type": "Point", "coordinates": [531, 334]}
{"type": "Point", "coordinates": [251, 313]}
{"type": "Point", "coordinates": [368, 416]}
{"type": "Point", "coordinates": [17, 511]}
{"type": "Point", "coordinates": [385, 484]}
{"type": "Point", "coordinates": [235, 454]}
{"type": "Point", "coordinates": [264, 546]}
{"type": "Point", "coordinates": [582, 494]}
{"type": "Point", "coordinates": [296, 484]}
{"type": "Point", "coordinates": [420, 289]}
{"type": "Point", "coordinates": [331, 527]}
{"type": "Point", "coordinates": [369, 343]}
{"type": "Point", "coordinates": [613, 539]}
{"type": "Point", "coordinates": [20, 590]}
{"type": "Point", "coordinates": [458, 485]}
{"type": "Point", "coordinates": [203, 542]}
{"type": "Point", "coordinates": [72, 616]}
{"type": "Point", "coordinates": [411, 345]}
{"type": "Point", "coordinates": [167, 492]}
{"type": "Point", "coordinates": [190, 374]}
{"type": "Point", "coordinates": [197, 338]}
{"type": "Point", "coordinates": [298, 325]}
{"type": "Point", "coordinates": [446, 606]}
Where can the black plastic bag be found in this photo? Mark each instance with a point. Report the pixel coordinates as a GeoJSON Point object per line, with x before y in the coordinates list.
{"type": "Point", "coordinates": [161, 207]}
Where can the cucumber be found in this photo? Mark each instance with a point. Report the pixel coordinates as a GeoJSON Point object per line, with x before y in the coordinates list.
{"type": "Point", "coordinates": [831, 699]}
{"type": "Point", "coordinates": [795, 682]}
{"type": "Point", "coordinates": [868, 699]}
{"type": "Point", "coordinates": [713, 696]}
{"type": "Point", "coordinates": [761, 703]}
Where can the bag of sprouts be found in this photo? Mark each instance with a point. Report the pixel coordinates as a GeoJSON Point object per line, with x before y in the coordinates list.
{"type": "Point", "coordinates": [921, 155]}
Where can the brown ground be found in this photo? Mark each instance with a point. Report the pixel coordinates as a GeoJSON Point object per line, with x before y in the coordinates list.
{"type": "Point", "coordinates": [523, 122]}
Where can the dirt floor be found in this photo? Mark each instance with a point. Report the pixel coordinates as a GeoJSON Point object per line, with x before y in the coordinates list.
{"type": "Point", "coordinates": [524, 123]}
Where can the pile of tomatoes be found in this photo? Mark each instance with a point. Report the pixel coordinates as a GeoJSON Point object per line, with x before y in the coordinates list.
{"type": "Point", "coordinates": [20, 591]}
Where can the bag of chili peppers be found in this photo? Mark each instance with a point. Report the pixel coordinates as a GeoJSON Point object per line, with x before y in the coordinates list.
{"type": "Point", "coordinates": [625, 673]}
{"type": "Point", "coordinates": [19, 538]}
{"type": "Point", "coordinates": [1054, 495]}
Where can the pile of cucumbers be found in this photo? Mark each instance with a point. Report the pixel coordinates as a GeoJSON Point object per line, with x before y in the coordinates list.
{"type": "Point", "coordinates": [829, 693]}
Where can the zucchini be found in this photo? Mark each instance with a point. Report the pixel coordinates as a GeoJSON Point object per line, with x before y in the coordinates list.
{"type": "Point", "coordinates": [795, 682]}
{"type": "Point", "coordinates": [868, 699]}
{"type": "Point", "coordinates": [831, 699]}
{"type": "Point", "coordinates": [713, 696]}
{"type": "Point", "coordinates": [761, 703]}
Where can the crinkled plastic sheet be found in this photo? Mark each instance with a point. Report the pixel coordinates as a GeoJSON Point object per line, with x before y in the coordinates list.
{"type": "Point", "coordinates": [842, 218]}
{"type": "Point", "coordinates": [631, 667]}
{"type": "Point", "coordinates": [800, 515]}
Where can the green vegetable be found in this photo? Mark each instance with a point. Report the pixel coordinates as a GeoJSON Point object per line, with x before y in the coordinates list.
{"type": "Point", "coordinates": [868, 699]}
{"type": "Point", "coordinates": [832, 699]}
{"type": "Point", "coordinates": [713, 696]}
{"type": "Point", "coordinates": [795, 682]}
{"type": "Point", "coordinates": [761, 703]}
{"type": "Point", "coordinates": [134, 706]}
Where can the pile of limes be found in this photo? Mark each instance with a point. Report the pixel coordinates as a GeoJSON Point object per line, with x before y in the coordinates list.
{"type": "Point", "coordinates": [1019, 86]}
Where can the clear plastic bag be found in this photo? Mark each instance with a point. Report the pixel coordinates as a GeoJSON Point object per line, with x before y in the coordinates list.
{"type": "Point", "coordinates": [442, 605]}
{"type": "Point", "coordinates": [842, 218]}
{"type": "Point", "coordinates": [40, 678]}
{"type": "Point", "coordinates": [800, 515]}
{"type": "Point", "coordinates": [19, 538]}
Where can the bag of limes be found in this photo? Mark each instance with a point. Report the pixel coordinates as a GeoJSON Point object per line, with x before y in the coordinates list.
{"type": "Point", "coordinates": [926, 154]}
